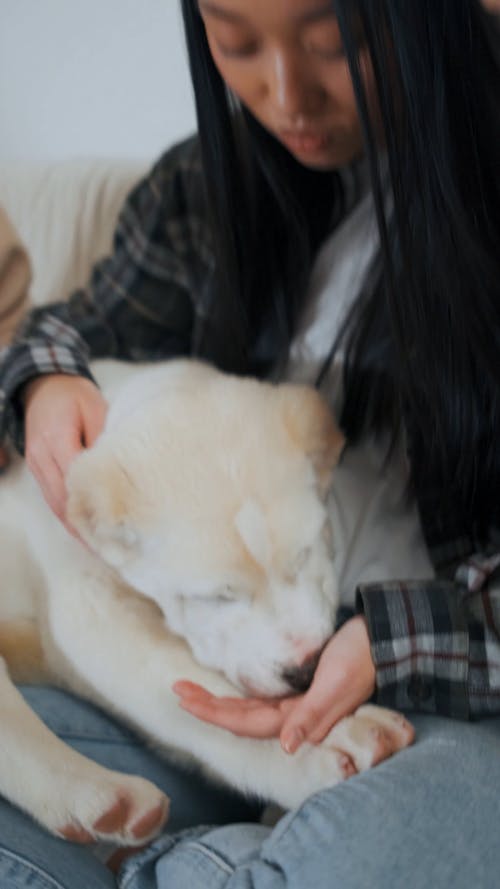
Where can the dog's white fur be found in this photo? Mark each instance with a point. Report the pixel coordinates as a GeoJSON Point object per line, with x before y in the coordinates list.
{"type": "Point", "coordinates": [203, 505]}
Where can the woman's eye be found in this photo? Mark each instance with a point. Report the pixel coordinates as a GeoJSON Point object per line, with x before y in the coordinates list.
{"type": "Point", "coordinates": [324, 40]}
{"type": "Point", "coordinates": [231, 40]}
{"type": "Point", "coordinates": [236, 51]}
{"type": "Point", "coordinates": [326, 52]}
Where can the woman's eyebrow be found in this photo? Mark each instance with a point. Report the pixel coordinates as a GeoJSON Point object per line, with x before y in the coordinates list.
{"type": "Point", "coordinates": [224, 14]}
{"type": "Point", "coordinates": [314, 15]}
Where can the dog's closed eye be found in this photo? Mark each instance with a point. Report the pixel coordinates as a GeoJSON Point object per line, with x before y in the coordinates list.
{"type": "Point", "coordinates": [301, 559]}
{"type": "Point", "coordinates": [227, 593]}
{"type": "Point", "coordinates": [297, 563]}
{"type": "Point", "coordinates": [224, 595]}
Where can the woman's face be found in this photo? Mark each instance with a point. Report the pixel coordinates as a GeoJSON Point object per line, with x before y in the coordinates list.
{"type": "Point", "coordinates": [283, 59]}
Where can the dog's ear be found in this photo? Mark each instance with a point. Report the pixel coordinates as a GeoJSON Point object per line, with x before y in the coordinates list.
{"type": "Point", "coordinates": [312, 427]}
{"type": "Point", "coordinates": [99, 507]}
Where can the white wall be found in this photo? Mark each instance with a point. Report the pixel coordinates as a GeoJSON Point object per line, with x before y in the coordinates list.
{"type": "Point", "coordinates": [92, 78]}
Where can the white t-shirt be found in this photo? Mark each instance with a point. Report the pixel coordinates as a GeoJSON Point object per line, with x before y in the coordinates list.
{"type": "Point", "coordinates": [376, 531]}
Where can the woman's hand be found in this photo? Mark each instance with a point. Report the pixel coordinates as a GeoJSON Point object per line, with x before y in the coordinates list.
{"type": "Point", "coordinates": [344, 679]}
{"type": "Point", "coordinates": [63, 415]}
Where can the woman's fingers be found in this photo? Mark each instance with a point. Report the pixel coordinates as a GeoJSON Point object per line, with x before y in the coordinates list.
{"type": "Point", "coordinates": [344, 679]}
{"type": "Point", "coordinates": [191, 691]}
{"type": "Point", "coordinates": [310, 721]}
{"type": "Point", "coordinates": [248, 717]}
{"type": "Point", "coordinates": [93, 421]}
{"type": "Point", "coordinates": [49, 463]}
{"type": "Point", "coordinates": [50, 479]}
{"type": "Point", "coordinates": [63, 415]}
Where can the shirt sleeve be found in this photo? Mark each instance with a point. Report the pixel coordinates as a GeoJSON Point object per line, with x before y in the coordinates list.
{"type": "Point", "coordinates": [140, 301]}
{"type": "Point", "coordinates": [436, 644]}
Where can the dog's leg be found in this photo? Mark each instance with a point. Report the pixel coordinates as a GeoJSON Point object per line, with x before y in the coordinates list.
{"type": "Point", "coordinates": [69, 794]}
{"type": "Point", "coordinates": [135, 661]}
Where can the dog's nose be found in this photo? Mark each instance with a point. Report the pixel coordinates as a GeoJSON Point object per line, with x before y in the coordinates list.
{"type": "Point", "coordinates": [300, 676]}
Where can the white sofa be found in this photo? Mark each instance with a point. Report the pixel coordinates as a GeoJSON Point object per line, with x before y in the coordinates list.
{"type": "Point", "coordinates": [65, 213]}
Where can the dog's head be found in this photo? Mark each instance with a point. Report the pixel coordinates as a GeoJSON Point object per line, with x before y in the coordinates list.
{"type": "Point", "coordinates": [207, 493]}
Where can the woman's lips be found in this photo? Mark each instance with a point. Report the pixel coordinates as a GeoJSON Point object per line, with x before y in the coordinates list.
{"type": "Point", "coordinates": [304, 143]}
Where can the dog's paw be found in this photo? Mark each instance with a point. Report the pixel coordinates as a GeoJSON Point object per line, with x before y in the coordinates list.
{"type": "Point", "coordinates": [119, 809]}
{"type": "Point", "coordinates": [369, 736]}
{"type": "Point", "coordinates": [354, 745]}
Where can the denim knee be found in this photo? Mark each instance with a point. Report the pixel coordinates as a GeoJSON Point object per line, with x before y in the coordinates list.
{"type": "Point", "coordinates": [16, 872]}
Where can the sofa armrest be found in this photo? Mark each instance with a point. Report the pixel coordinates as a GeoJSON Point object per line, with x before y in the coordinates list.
{"type": "Point", "coordinates": [65, 214]}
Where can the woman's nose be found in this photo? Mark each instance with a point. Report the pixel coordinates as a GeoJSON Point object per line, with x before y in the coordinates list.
{"type": "Point", "coordinates": [292, 89]}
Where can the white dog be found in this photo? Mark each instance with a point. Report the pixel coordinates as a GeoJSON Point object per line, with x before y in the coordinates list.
{"type": "Point", "coordinates": [203, 506]}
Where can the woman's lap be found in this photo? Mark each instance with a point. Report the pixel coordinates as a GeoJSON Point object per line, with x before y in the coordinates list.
{"type": "Point", "coordinates": [29, 856]}
{"type": "Point", "coordinates": [426, 817]}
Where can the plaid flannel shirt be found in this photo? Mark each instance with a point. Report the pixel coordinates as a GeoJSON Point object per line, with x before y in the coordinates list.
{"type": "Point", "coordinates": [436, 644]}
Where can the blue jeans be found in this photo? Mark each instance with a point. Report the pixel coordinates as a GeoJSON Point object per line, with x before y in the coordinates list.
{"type": "Point", "coordinates": [426, 818]}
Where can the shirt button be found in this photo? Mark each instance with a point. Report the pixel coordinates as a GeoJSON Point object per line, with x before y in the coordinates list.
{"type": "Point", "coordinates": [419, 690]}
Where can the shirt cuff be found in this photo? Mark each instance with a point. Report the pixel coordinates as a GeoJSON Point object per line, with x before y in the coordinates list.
{"type": "Point", "coordinates": [27, 360]}
{"type": "Point", "coordinates": [420, 645]}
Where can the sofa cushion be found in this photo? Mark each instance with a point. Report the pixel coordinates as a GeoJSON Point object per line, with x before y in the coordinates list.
{"type": "Point", "coordinates": [65, 213]}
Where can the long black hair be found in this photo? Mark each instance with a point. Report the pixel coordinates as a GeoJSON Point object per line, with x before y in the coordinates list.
{"type": "Point", "coordinates": [423, 348]}
{"type": "Point", "coordinates": [268, 213]}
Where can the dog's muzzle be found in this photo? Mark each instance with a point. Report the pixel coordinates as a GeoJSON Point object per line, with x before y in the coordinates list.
{"type": "Point", "coordinates": [300, 676]}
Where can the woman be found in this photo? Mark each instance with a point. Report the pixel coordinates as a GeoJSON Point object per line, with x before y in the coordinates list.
{"type": "Point", "coordinates": [297, 102]}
